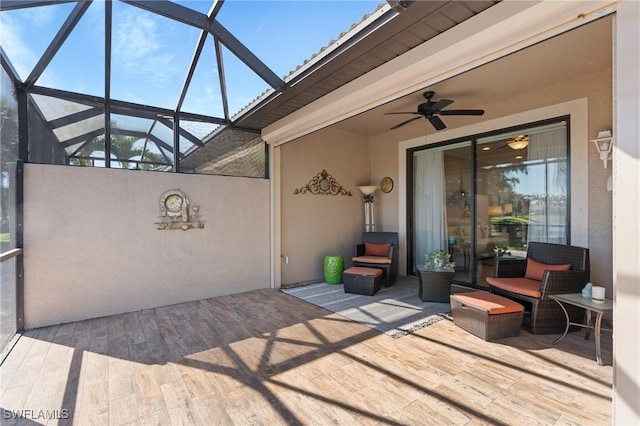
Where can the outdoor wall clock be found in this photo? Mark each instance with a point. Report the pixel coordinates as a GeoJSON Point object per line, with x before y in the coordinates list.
{"type": "Point", "coordinates": [174, 204]}
{"type": "Point", "coordinates": [386, 184]}
{"type": "Point", "coordinates": [175, 212]}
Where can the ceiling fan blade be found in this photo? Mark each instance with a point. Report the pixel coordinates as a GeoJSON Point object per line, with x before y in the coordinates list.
{"type": "Point", "coordinates": [401, 112]}
{"type": "Point", "coordinates": [442, 103]}
{"type": "Point", "coordinates": [405, 122]}
{"type": "Point", "coordinates": [436, 122]}
{"type": "Point", "coordinates": [462, 112]}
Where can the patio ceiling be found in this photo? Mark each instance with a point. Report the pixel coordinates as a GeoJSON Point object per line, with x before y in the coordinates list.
{"type": "Point", "coordinates": [582, 51]}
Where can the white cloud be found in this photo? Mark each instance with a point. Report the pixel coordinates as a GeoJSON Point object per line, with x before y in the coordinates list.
{"type": "Point", "coordinates": [41, 17]}
{"type": "Point", "coordinates": [141, 48]}
{"type": "Point", "coordinates": [13, 42]}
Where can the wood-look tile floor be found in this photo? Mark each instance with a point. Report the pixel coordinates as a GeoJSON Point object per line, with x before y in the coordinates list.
{"type": "Point", "coordinates": [266, 358]}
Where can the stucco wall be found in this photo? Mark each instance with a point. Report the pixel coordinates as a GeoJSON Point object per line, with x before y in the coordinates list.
{"type": "Point", "coordinates": [92, 248]}
{"type": "Point", "coordinates": [313, 226]}
{"type": "Point", "coordinates": [597, 88]}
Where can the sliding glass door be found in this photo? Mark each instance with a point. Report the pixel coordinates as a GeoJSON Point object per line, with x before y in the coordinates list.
{"type": "Point", "coordinates": [489, 196]}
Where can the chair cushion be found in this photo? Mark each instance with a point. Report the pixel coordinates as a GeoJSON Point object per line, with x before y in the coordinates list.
{"type": "Point", "coordinates": [535, 270]}
{"type": "Point", "coordinates": [372, 259]}
{"type": "Point", "coordinates": [524, 286]}
{"type": "Point", "coordinates": [492, 303]}
{"type": "Point", "coordinates": [373, 249]}
{"type": "Point", "coordinates": [359, 270]}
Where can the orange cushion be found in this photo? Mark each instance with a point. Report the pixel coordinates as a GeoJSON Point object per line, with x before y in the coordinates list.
{"type": "Point", "coordinates": [373, 249]}
{"type": "Point", "coordinates": [492, 303]}
{"type": "Point", "coordinates": [372, 259]}
{"type": "Point", "coordinates": [524, 286]}
{"type": "Point", "coordinates": [358, 270]}
{"type": "Point", "coordinates": [535, 270]}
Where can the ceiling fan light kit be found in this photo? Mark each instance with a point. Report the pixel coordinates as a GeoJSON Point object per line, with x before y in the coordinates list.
{"type": "Point", "coordinates": [519, 142]}
{"type": "Point", "coordinates": [431, 109]}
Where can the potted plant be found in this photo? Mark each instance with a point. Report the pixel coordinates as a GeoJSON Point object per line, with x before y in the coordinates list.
{"type": "Point", "coordinates": [435, 276]}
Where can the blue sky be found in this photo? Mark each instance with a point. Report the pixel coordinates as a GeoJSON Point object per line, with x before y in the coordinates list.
{"type": "Point", "coordinates": [151, 54]}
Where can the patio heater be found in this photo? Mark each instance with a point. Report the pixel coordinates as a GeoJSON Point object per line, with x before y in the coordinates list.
{"type": "Point", "coordinates": [369, 223]}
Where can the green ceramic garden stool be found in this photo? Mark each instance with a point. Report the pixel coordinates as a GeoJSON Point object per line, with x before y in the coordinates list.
{"type": "Point", "coordinates": [333, 267]}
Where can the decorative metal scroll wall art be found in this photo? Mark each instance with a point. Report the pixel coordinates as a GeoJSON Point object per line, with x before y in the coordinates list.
{"type": "Point", "coordinates": [324, 184]}
{"type": "Point", "coordinates": [175, 212]}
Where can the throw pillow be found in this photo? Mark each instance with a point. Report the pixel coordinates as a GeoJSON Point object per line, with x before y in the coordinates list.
{"type": "Point", "coordinates": [373, 249]}
{"type": "Point", "coordinates": [535, 270]}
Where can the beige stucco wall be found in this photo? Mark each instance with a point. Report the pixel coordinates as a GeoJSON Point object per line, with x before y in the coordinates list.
{"type": "Point", "coordinates": [314, 226]}
{"type": "Point", "coordinates": [384, 155]}
{"type": "Point", "coordinates": [597, 88]}
{"type": "Point", "coordinates": [92, 248]}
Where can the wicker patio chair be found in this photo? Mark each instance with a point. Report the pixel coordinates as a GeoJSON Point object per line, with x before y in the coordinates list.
{"type": "Point", "coordinates": [515, 279]}
{"type": "Point", "coordinates": [387, 261]}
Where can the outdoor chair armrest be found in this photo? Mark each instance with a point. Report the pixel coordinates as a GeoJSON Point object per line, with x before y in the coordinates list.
{"type": "Point", "coordinates": [509, 268]}
{"type": "Point", "coordinates": [559, 282]}
{"type": "Point", "coordinates": [358, 250]}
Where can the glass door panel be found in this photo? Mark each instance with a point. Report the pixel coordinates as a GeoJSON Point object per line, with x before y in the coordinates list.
{"type": "Point", "coordinates": [458, 170]}
{"type": "Point", "coordinates": [521, 193]}
{"type": "Point", "coordinates": [443, 205]}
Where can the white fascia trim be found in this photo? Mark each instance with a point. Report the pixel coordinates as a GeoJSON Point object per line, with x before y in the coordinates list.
{"type": "Point", "coordinates": [356, 30]}
{"type": "Point", "coordinates": [503, 29]}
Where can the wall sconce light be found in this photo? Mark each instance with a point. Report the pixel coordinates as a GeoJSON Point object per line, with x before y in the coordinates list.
{"type": "Point", "coordinates": [369, 224]}
{"type": "Point", "coordinates": [604, 143]}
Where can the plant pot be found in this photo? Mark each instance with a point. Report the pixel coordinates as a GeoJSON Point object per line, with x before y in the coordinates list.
{"type": "Point", "coordinates": [435, 285]}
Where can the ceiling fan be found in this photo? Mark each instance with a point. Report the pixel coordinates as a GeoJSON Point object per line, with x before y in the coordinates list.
{"type": "Point", "coordinates": [431, 109]}
{"type": "Point", "coordinates": [517, 142]}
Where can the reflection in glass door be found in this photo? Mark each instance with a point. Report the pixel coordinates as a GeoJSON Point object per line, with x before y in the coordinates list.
{"type": "Point", "coordinates": [518, 193]}
{"type": "Point", "coordinates": [521, 193]}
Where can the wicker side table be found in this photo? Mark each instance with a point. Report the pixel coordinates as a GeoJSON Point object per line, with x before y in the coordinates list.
{"type": "Point", "coordinates": [434, 285]}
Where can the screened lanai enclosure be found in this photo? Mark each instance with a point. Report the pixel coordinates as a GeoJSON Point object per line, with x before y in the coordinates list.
{"type": "Point", "coordinates": [144, 85]}
{"type": "Point", "coordinates": [136, 85]}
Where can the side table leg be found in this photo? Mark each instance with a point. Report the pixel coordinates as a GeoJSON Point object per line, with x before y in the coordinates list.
{"type": "Point", "coordinates": [566, 314]}
{"type": "Point", "coordinates": [587, 332]}
{"type": "Point", "coordinates": [597, 332]}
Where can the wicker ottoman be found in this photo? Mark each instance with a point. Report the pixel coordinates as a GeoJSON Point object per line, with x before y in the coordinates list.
{"type": "Point", "coordinates": [361, 280]}
{"type": "Point", "coordinates": [486, 315]}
